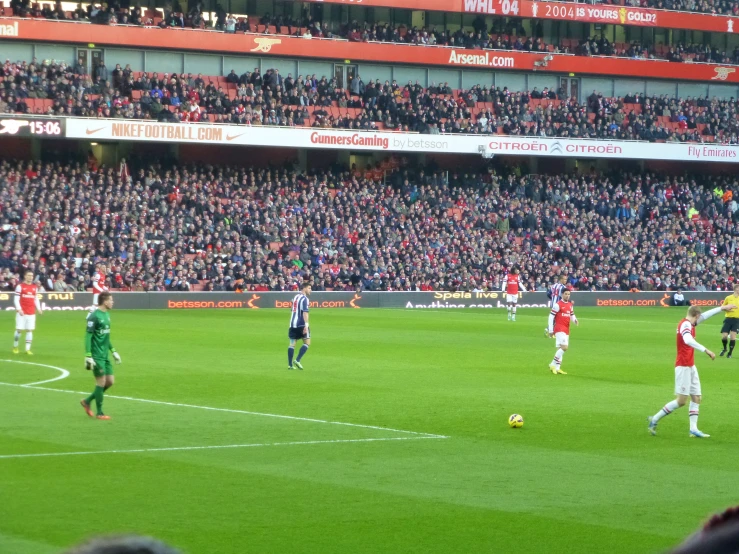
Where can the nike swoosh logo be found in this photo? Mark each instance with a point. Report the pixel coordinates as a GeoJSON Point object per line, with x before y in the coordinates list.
{"type": "Point", "coordinates": [229, 137]}
{"type": "Point", "coordinates": [89, 132]}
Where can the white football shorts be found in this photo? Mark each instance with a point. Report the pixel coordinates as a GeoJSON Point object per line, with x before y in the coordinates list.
{"type": "Point", "coordinates": [25, 322]}
{"type": "Point", "coordinates": [562, 339]}
{"type": "Point", "coordinates": [511, 298]}
{"type": "Point", "coordinates": [687, 381]}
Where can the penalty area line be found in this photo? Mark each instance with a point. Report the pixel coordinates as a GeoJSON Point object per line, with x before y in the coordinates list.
{"type": "Point", "coordinates": [64, 372]}
{"type": "Point", "coordinates": [215, 447]}
{"type": "Point", "coordinates": [232, 411]}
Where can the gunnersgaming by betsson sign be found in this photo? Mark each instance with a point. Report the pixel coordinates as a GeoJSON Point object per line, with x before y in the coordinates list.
{"type": "Point", "coordinates": [337, 139]}
{"type": "Point", "coordinates": [66, 301]}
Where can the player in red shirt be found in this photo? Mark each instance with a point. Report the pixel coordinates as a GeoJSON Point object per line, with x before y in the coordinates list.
{"type": "Point", "coordinates": [26, 305]}
{"type": "Point", "coordinates": [687, 382]}
{"type": "Point", "coordinates": [562, 313]}
{"type": "Point", "coordinates": [511, 285]}
{"type": "Point", "coordinates": [98, 286]}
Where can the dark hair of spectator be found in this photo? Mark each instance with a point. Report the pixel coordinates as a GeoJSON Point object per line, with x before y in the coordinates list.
{"type": "Point", "coordinates": [129, 544]}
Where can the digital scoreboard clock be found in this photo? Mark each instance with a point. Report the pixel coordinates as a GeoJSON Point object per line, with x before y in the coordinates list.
{"type": "Point", "coordinates": [49, 127]}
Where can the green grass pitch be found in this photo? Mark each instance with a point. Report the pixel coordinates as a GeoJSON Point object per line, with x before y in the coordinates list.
{"type": "Point", "coordinates": [582, 475]}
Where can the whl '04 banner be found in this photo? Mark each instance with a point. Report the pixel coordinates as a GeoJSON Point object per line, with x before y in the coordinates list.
{"type": "Point", "coordinates": [564, 11]}
{"type": "Point", "coordinates": [295, 47]}
{"type": "Point", "coordinates": [440, 300]}
{"type": "Point", "coordinates": [306, 137]}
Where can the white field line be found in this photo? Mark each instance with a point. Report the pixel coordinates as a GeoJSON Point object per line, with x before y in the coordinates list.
{"type": "Point", "coordinates": [227, 410]}
{"type": "Point", "coordinates": [181, 448]}
{"type": "Point", "coordinates": [64, 372]}
{"type": "Point", "coordinates": [619, 320]}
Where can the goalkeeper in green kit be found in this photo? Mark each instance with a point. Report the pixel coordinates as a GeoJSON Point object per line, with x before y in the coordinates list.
{"type": "Point", "coordinates": [97, 349]}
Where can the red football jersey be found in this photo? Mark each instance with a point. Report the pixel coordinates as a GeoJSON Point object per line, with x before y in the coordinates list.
{"type": "Point", "coordinates": [98, 283]}
{"type": "Point", "coordinates": [563, 313]}
{"type": "Point", "coordinates": [512, 282]}
{"type": "Point", "coordinates": [685, 353]}
{"type": "Point", "coordinates": [27, 297]}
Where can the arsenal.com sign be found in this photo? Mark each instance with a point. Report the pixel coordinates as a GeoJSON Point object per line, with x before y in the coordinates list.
{"type": "Point", "coordinates": [9, 30]}
{"type": "Point", "coordinates": [306, 137]}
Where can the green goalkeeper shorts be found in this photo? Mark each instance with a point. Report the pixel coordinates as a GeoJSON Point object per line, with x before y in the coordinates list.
{"type": "Point", "coordinates": [102, 367]}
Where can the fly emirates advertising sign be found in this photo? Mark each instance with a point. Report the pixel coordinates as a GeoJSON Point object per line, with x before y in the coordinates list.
{"type": "Point", "coordinates": [308, 137]}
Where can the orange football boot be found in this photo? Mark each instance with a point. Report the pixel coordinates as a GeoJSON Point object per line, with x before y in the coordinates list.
{"type": "Point", "coordinates": [86, 407]}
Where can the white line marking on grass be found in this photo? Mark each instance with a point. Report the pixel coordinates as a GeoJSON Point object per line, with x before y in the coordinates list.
{"type": "Point", "coordinates": [64, 372]}
{"type": "Point", "coordinates": [245, 412]}
{"type": "Point", "coordinates": [179, 448]}
{"type": "Point", "coordinates": [619, 320]}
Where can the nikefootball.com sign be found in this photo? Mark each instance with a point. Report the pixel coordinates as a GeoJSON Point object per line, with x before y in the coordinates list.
{"type": "Point", "coordinates": [302, 137]}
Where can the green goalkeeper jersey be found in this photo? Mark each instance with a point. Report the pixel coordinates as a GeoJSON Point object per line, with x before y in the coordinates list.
{"type": "Point", "coordinates": [97, 338]}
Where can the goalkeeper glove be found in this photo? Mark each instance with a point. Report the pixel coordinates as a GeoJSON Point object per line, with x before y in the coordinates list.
{"type": "Point", "coordinates": [89, 362]}
{"type": "Point", "coordinates": [116, 357]}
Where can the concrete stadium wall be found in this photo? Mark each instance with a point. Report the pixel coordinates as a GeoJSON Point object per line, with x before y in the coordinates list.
{"type": "Point", "coordinates": [401, 300]}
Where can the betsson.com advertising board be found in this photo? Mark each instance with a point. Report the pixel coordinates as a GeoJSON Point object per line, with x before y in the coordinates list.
{"type": "Point", "coordinates": [77, 301]}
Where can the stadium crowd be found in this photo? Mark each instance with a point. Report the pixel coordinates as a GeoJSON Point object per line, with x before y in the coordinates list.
{"type": "Point", "coordinates": [254, 98]}
{"type": "Point", "coordinates": [718, 7]}
{"type": "Point", "coordinates": [397, 228]}
{"type": "Point", "coordinates": [503, 34]}
{"type": "Point", "coordinates": [511, 35]}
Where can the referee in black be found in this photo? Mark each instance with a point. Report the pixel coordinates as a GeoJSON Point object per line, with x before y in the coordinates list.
{"type": "Point", "coordinates": [731, 322]}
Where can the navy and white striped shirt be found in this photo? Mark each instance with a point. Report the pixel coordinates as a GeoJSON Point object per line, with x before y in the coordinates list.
{"type": "Point", "coordinates": [299, 307]}
{"type": "Point", "coordinates": [555, 293]}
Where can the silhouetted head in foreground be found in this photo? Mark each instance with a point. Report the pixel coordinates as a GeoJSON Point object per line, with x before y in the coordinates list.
{"type": "Point", "coordinates": [129, 544]}
{"type": "Point", "coordinates": [720, 535]}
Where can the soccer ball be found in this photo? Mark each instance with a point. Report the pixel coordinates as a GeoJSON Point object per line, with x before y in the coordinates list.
{"type": "Point", "coordinates": [515, 421]}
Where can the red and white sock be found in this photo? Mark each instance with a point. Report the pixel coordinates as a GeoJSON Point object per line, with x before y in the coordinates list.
{"type": "Point", "coordinates": [667, 410]}
{"type": "Point", "coordinates": [693, 415]}
{"type": "Point", "coordinates": [558, 355]}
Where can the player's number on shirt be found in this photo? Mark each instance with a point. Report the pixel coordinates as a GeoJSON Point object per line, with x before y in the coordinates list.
{"type": "Point", "coordinates": [509, 7]}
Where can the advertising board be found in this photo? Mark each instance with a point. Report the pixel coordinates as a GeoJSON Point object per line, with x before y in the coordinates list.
{"type": "Point", "coordinates": [76, 301]}
{"type": "Point", "coordinates": [306, 137]}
